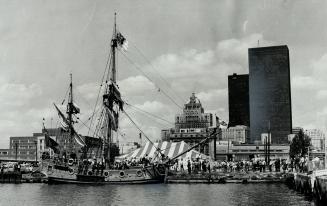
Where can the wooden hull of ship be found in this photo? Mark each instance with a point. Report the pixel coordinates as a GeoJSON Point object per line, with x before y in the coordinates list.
{"type": "Point", "coordinates": [127, 176]}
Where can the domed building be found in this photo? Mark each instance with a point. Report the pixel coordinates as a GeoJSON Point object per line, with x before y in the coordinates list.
{"type": "Point", "coordinates": [191, 126]}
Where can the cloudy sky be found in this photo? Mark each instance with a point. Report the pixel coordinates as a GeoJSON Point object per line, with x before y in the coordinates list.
{"type": "Point", "coordinates": [182, 47]}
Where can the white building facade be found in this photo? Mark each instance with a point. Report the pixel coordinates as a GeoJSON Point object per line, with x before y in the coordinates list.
{"type": "Point", "coordinates": [238, 134]}
{"type": "Point", "coordinates": [317, 138]}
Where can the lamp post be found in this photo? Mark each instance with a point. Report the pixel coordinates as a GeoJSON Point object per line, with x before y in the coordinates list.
{"type": "Point", "coordinates": [16, 148]}
{"type": "Point", "coordinates": [35, 142]}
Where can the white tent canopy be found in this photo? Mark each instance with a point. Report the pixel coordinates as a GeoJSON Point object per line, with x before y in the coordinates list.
{"type": "Point", "coordinates": [170, 149]}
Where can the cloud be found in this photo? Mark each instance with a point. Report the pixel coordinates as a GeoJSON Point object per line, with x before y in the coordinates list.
{"type": "Point", "coordinates": [203, 72]}
{"type": "Point", "coordinates": [154, 107]}
{"type": "Point", "coordinates": [309, 93]}
{"type": "Point", "coordinates": [245, 25]}
{"type": "Point", "coordinates": [88, 91]}
{"type": "Point", "coordinates": [135, 85]}
{"type": "Point", "coordinates": [17, 95]}
{"type": "Point", "coordinates": [20, 112]}
{"type": "Point", "coordinates": [206, 68]}
{"type": "Point", "coordinates": [212, 95]}
{"type": "Point", "coordinates": [37, 56]}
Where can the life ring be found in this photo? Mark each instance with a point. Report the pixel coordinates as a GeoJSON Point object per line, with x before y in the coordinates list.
{"type": "Point", "coordinates": [139, 173]}
{"type": "Point", "coordinates": [121, 174]}
{"type": "Point", "coordinates": [71, 171]}
{"type": "Point", "coordinates": [90, 173]}
{"type": "Point", "coordinates": [106, 174]}
{"type": "Point", "coordinates": [50, 170]}
{"type": "Point", "coordinates": [70, 162]}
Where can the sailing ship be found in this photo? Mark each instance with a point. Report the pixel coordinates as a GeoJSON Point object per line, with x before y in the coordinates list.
{"type": "Point", "coordinates": [72, 165]}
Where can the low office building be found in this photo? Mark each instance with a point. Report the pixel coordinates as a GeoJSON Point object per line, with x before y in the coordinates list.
{"type": "Point", "coordinates": [317, 138]}
{"type": "Point", "coordinates": [238, 133]}
{"type": "Point", "coordinates": [23, 148]}
{"type": "Point", "coordinates": [5, 154]}
{"type": "Point", "coordinates": [296, 130]}
{"type": "Point", "coordinates": [42, 149]}
{"type": "Point", "coordinates": [238, 152]}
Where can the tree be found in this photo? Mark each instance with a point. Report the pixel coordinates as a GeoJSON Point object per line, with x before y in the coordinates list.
{"type": "Point", "coordinates": [299, 145]}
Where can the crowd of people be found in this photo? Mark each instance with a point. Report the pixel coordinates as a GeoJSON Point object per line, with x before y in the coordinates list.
{"type": "Point", "coordinates": [205, 165]}
{"type": "Point", "coordinates": [198, 165]}
{"type": "Point", "coordinates": [22, 167]}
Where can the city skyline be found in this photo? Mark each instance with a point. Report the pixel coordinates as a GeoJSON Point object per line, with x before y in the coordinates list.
{"type": "Point", "coordinates": [194, 46]}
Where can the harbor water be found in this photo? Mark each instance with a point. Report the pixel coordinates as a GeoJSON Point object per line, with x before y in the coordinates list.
{"type": "Point", "coordinates": [157, 194]}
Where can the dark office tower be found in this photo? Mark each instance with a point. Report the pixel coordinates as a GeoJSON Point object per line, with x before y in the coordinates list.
{"type": "Point", "coordinates": [270, 93]}
{"type": "Point", "coordinates": [238, 100]}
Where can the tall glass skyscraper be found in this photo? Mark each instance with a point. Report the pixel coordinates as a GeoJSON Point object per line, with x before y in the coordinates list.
{"type": "Point", "coordinates": [238, 100]}
{"type": "Point", "coordinates": [270, 93]}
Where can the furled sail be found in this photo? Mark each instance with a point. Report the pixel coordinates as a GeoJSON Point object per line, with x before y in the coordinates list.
{"type": "Point", "coordinates": [62, 116]}
{"type": "Point", "coordinates": [65, 124]}
{"type": "Point", "coordinates": [114, 119]}
{"type": "Point", "coordinates": [79, 139]}
{"type": "Point", "coordinates": [49, 142]}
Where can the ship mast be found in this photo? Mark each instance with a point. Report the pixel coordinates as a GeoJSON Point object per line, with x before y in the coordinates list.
{"type": "Point", "coordinates": [110, 99]}
{"type": "Point", "coordinates": [113, 50]}
{"type": "Point", "coordinates": [70, 116]}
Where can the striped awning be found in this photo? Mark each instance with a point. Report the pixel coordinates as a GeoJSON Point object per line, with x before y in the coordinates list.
{"type": "Point", "coordinates": [170, 149]}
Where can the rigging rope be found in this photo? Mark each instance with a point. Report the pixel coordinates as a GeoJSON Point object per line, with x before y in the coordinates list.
{"type": "Point", "coordinates": [85, 125]}
{"type": "Point", "coordinates": [159, 89]}
{"type": "Point", "coordinates": [109, 59]}
{"type": "Point", "coordinates": [65, 96]}
{"type": "Point", "coordinates": [133, 110]}
{"type": "Point", "coordinates": [152, 115]}
{"type": "Point", "coordinates": [88, 119]}
{"type": "Point", "coordinates": [161, 77]}
{"type": "Point", "coordinates": [141, 131]}
{"type": "Point", "coordinates": [98, 126]}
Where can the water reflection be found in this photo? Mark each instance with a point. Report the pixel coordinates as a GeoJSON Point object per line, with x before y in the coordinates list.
{"type": "Point", "coordinates": [160, 194]}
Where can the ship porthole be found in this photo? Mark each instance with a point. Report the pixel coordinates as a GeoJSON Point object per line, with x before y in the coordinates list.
{"type": "Point", "coordinates": [71, 171]}
{"type": "Point", "coordinates": [106, 174]}
{"type": "Point", "coordinates": [121, 174]}
{"type": "Point", "coordinates": [139, 173]}
{"type": "Point", "coordinates": [70, 162]}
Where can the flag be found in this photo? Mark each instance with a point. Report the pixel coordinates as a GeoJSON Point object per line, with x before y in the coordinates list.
{"type": "Point", "coordinates": [65, 124]}
{"type": "Point", "coordinates": [49, 142]}
{"type": "Point", "coordinates": [62, 120]}
{"type": "Point", "coordinates": [62, 116]}
{"type": "Point", "coordinates": [217, 121]}
{"type": "Point", "coordinates": [122, 41]}
{"type": "Point", "coordinates": [79, 139]}
{"type": "Point", "coordinates": [75, 109]}
{"type": "Point", "coordinates": [223, 123]}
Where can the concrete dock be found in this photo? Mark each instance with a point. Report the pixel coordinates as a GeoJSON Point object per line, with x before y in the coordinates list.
{"type": "Point", "coordinates": [221, 178]}
{"type": "Point", "coordinates": [313, 184]}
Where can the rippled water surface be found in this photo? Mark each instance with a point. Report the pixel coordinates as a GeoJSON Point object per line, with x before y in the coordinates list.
{"type": "Point", "coordinates": [159, 194]}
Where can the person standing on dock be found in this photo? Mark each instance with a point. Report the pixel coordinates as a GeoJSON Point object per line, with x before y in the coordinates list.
{"type": "Point", "coordinates": [182, 165]}
{"type": "Point", "coordinates": [189, 166]}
